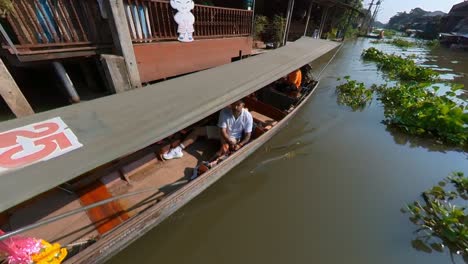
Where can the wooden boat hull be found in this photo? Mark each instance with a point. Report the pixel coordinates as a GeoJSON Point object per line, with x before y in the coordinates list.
{"type": "Point", "coordinates": [119, 238]}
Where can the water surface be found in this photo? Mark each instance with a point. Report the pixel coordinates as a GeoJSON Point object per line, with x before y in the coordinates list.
{"type": "Point", "coordinates": [326, 189]}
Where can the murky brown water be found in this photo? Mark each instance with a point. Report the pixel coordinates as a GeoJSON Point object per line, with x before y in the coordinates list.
{"type": "Point", "coordinates": [335, 199]}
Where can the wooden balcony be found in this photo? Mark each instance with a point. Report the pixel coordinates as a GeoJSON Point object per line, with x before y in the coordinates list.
{"type": "Point", "coordinates": [53, 29]}
{"type": "Point", "coordinates": [221, 34]}
{"type": "Point", "coordinates": [152, 20]}
{"type": "Point", "coordinates": [47, 29]}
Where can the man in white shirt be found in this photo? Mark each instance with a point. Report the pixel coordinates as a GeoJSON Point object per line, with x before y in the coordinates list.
{"type": "Point", "coordinates": [234, 130]}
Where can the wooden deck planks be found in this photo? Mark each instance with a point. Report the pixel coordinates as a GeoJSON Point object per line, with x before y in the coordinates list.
{"type": "Point", "coordinates": [105, 217]}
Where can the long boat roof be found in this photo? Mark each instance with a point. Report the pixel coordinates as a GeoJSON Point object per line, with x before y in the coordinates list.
{"type": "Point", "coordinates": [118, 125]}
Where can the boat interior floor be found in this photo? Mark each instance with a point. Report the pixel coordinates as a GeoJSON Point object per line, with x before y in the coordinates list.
{"type": "Point", "coordinates": [140, 170]}
{"type": "Point", "coordinates": [143, 173]}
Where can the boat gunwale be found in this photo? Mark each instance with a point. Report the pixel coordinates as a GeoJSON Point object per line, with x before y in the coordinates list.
{"type": "Point", "coordinates": [119, 238]}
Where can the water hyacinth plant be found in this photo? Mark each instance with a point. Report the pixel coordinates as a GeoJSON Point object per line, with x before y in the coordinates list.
{"type": "Point", "coordinates": [401, 43]}
{"type": "Point", "coordinates": [353, 94]}
{"type": "Point", "coordinates": [404, 69]}
{"type": "Point", "coordinates": [420, 111]}
{"type": "Point", "coordinates": [442, 223]}
{"type": "Point", "coordinates": [413, 108]}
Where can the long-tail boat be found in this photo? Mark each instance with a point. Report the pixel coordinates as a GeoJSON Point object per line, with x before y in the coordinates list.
{"type": "Point", "coordinates": [89, 175]}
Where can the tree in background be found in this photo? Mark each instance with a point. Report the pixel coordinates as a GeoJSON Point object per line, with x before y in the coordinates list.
{"type": "Point", "coordinates": [344, 21]}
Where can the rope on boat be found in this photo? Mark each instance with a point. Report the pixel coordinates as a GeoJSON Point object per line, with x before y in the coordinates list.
{"type": "Point", "coordinates": [332, 58]}
{"type": "Point", "coordinates": [84, 208]}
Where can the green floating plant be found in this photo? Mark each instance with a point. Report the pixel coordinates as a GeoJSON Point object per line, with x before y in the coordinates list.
{"type": "Point", "coordinates": [441, 222]}
{"type": "Point", "coordinates": [420, 111]}
{"type": "Point", "coordinates": [401, 43]}
{"type": "Point", "coordinates": [353, 94]}
{"type": "Point", "coordinates": [414, 108]}
{"type": "Point", "coordinates": [404, 69]}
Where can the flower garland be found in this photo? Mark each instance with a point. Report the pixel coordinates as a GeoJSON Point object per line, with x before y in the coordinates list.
{"type": "Point", "coordinates": [27, 250]}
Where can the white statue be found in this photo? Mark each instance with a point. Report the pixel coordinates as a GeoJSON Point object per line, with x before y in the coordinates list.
{"type": "Point", "coordinates": [184, 18]}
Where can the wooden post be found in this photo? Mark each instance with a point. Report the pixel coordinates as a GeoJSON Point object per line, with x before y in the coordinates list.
{"type": "Point", "coordinates": [253, 20]}
{"type": "Point", "coordinates": [345, 30]}
{"type": "Point", "coordinates": [122, 40]}
{"type": "Point", "coordinates": [116, 74]}
{"type": "Point", "coordinates": [288, 20]}
{"type": "Point", "coordinates": [308, 17]}
{"type": "Point", "coordinates": [323, 22]}
{"type": "Point", "coordinates": [367, 18]}
{"type": "Point", "coordinates": [12, 95]}
{"type": "Point", "coordinates": [289, 23]}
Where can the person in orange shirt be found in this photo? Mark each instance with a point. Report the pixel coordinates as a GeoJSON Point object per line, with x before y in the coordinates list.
{"type": "Point", "coordinates": [295, 79]}
{"type": "Point", "coordinates": [291, 84]}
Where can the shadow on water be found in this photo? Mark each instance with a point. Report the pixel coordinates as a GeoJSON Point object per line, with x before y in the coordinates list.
{"type": "Point", "coordinates": [429, 143]}
{"type": "Point", "coordinates": [419, 245]}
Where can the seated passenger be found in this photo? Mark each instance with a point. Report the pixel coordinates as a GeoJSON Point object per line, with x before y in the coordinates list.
{"type": "Point", "coordinates": [234, 130]}
{"type": "Point", "coordinates": [292, 83]}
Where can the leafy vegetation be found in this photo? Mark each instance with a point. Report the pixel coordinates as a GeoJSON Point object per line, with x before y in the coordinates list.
{"type": "Point", "coordinates": [389, 33]}
{"type": "Point", "coordinates": [260, 24]}
{"type": "Point", "coordinates": [404, 69]}
{"type": "Point", "coordinates": [353, 94]}
{"type": "Point", "coordinates": [401, 43]}
{"type": "Point", "coordinates": [275, 30]}
{"type": "Point", "coordinates": [420, 111]}
{"type": "Point", "coordinates": [342, 17]}
{"type": "Point", "coordinates": [441, 222]}
{"type": "Point", "coordinates": [413, 108]}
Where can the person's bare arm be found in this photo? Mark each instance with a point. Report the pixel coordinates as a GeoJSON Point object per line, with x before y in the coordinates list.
{"type": "Point", "coordinates": [243, 142]}
{"type": "Point", "coordinates": [226, 137]}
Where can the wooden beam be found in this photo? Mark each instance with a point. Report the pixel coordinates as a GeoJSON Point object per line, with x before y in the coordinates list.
{"type": "Point", "coordinates": [288, 19]}
{"type": "Point", "coordinates": [308, 17]}
{"type": "Point", "coordinates": [12, 94]}
{"type": "Point", "coordinates": [122, 40]}
{"type": "Point", "coordinates": [116, 73]}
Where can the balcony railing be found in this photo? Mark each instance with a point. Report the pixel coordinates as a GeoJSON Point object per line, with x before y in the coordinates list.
{"type": "Point", "coordinates": [152, 20]}
{"type": "Point", "coordinates": [40, 25]}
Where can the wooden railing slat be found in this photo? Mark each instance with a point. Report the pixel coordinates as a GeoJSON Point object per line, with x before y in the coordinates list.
{"type": "Point", "coordinates": [54, 23]}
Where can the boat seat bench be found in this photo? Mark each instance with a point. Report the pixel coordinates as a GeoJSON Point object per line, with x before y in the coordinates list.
{"type": "Point", "coordinates": [265, 121]}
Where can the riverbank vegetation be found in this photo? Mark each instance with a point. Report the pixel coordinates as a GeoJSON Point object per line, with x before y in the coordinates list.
{"type": "Point", "coordinates": [442, 217]}
{"type": "Point", "coordinates": [404, 69]}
